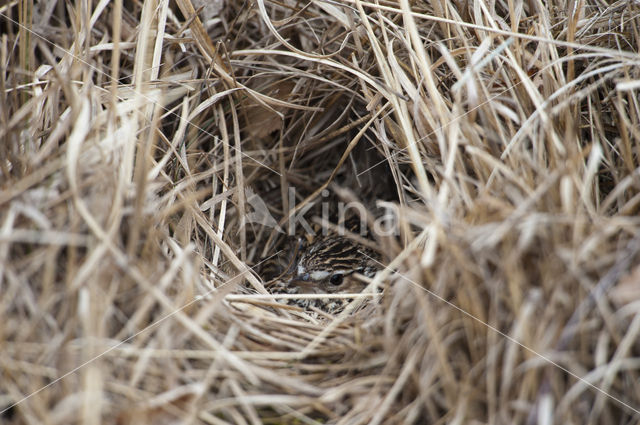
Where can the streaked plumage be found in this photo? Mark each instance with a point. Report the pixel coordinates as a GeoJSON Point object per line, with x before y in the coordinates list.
{"type": "Point", "coordinates": [327, 266]}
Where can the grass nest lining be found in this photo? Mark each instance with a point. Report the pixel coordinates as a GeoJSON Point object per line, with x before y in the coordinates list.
{"type": "Point", "coordinates": [135, 137]}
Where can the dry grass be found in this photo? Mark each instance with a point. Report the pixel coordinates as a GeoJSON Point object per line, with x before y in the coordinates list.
{"type": "Point", "coordinates": [130, 133]}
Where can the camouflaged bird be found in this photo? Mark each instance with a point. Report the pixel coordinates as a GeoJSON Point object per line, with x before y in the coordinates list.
{"type": "Point", "coordinates": [327, 266]}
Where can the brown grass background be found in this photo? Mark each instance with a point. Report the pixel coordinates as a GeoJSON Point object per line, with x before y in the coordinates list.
{"type": "Point", "coordinates": [509, 133]}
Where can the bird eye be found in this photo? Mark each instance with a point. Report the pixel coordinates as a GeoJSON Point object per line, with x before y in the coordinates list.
{"type": "Point", "coordinates": [336, 279]}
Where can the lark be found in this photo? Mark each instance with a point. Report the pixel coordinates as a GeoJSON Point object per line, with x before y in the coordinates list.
{"type": "Point", "coordinates": [328, 265]}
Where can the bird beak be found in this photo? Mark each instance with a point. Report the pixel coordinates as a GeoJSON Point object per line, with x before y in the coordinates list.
{"type": "Point", "coordinates": [301, 281]}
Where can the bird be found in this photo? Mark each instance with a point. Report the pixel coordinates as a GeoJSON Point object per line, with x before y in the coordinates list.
{"type": "Point", "coordinates": [327, 265]}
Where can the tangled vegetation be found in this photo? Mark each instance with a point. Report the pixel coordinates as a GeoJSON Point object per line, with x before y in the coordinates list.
{"type": "Point", "coordinates": [137, 137]}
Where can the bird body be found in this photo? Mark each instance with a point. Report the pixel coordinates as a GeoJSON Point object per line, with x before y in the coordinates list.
{"type": "Point", "coordinates": [327, 266]}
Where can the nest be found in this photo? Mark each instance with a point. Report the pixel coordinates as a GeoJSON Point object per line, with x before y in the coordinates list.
{"type": "Point", "coordinates": [154, 155]}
